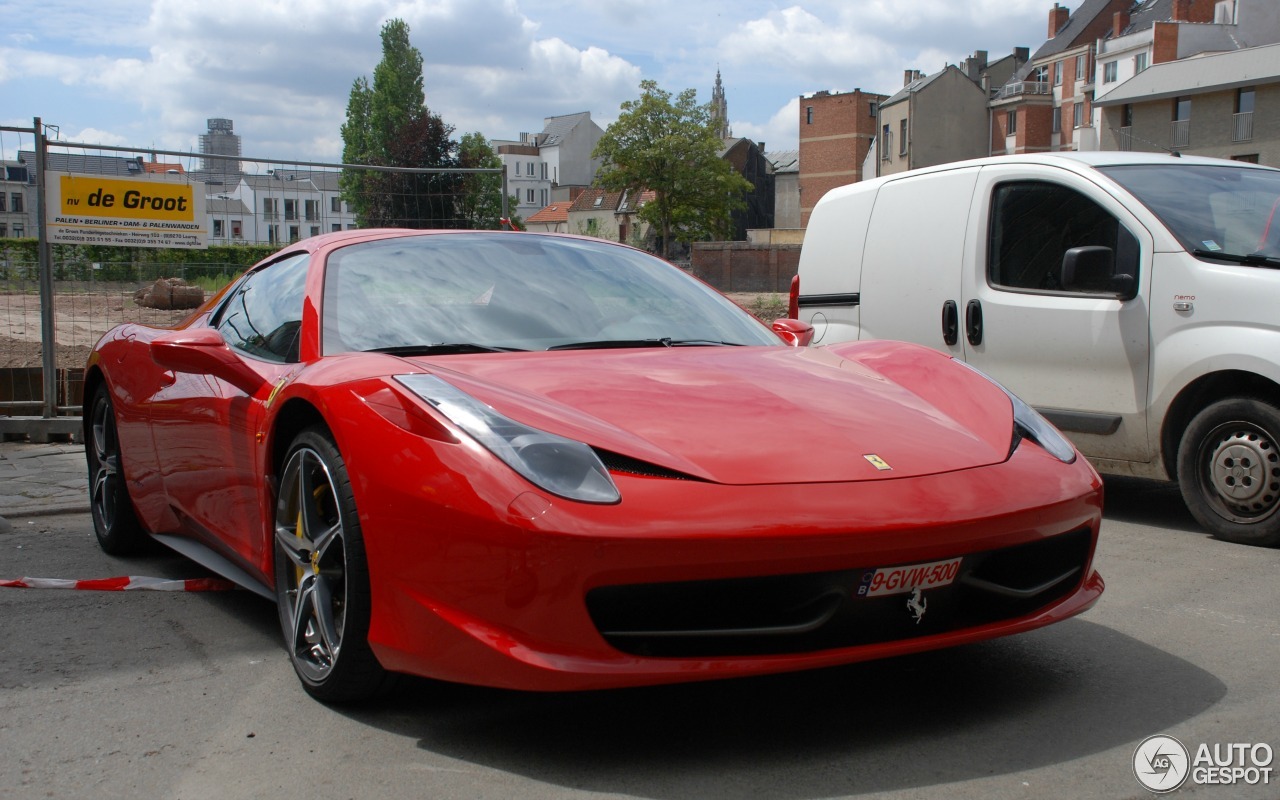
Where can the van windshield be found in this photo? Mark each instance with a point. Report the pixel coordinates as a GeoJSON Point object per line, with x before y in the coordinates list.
{"type": "Point", "coordinates": [1226, 212]}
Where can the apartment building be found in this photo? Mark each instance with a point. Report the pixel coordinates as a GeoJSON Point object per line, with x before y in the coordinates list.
{"type": "Point", "coordinates": [548, 166]}
{"type": "Point", "coordinates": [837, 131]}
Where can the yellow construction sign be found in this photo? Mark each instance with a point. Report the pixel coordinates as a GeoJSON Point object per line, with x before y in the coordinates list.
{"type": "Point", "coordinates": [147, 211]}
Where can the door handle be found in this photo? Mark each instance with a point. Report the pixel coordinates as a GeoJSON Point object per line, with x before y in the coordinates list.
{"type": "Point", "coordinates": [973, 322]}
{"type": "Point", "coordinates": [950, 323]}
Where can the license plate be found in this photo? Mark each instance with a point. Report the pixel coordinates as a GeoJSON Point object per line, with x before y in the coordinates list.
{"type": "Point", "coordinates": [900, 580]}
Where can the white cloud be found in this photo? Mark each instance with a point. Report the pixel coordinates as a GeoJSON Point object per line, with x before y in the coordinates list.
{"type": "Point", "coordinates": [781, 132]}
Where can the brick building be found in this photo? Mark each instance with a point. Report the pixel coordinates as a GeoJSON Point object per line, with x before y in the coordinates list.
{"type": "Point", "coordinates": [1046, 106]}
{"type": "Point", "coordinates": [836, 133]}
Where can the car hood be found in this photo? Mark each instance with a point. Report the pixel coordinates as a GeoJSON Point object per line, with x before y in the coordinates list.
{"type": "Point", "coordinates": [754, 415]}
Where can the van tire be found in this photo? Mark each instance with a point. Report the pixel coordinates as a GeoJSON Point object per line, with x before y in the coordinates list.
{"type": "Point", "coordinates": [1229, 470]}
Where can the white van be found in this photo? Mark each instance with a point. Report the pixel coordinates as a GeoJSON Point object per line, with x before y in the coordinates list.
{"type": "Point", "coordinates": [1134, 299]}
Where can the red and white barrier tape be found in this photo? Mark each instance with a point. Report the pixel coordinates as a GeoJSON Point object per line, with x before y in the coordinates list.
{"type": "Point", "coordinates": [124, 583]}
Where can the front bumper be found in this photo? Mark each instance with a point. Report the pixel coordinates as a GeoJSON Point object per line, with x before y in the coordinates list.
{"type": "Point", "coordinates": [480, 578]}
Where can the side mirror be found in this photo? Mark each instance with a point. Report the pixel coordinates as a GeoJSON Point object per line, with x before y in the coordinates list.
{"type": "Point", "coordinates": [203, 351]}
{"type": "Point", "coordinates": [793, 332]}
{"type": "Point", "coordinates": [1093, 269]}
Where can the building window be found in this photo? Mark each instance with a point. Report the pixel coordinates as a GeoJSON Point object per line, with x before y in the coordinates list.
{"type": "Point", "coordinates": [544, 170]}
{"type": "Point", "coordinates": [544, 198]}
{"type": "Point", "coordinates": [269, 210]}
{"type": "Point", "coordinates": [15, 202]}
{"type": "Point", "coordinates": [4, 230]}
{"type": "Point", "coordinates": [871, 109]}
{"type": "Point", "coordinates": [1242, 121]}
{"type": "Point", "coordinates": [335, 204]}
{"type": "Point", "coordinates": [1057, 120]}
{"type": "Point", "coordinates": [1081, 62]}
{"type": "Point", "coordinates": [1011, 123]}
{"type": "Point", "coordinates": [1, 201]}
{"type": "Point", "coordinates": [236, 232]}
{"type": "Point", "coordinates": [902, 137]}
{"type": "Point", "coordinates": [291, 210]}
{"type": "Point", "coordinates": [312, 210]}
{"type": "Point", "coordinates": [1109, 71]}
{"type": "Point", "coordinates": [1244, 101]}
{"type": "Point", "coordinates": [529, 196]}
{"type": "Point", "coordinates": [217, 229]}
{"type": "Point", "coordinates": [887, 135]}
{"type": "Point", "coordinates": [335, 227]}
{"type": "Point", "coordinates": [19, 231]}
{"type": "Point", "coordinates": [529, 169]}
{"type": "Point", "coordinates": [808, 115]}
{"type": "Point", "coordinates": [273, 234]}
{"type": "Point", "coordinates": [1078, 119]}
{"type": "Point", "coordinates": [1180, 128]}
{"type": "Point", "coordinates": [293, 233]}
{"type": "Point", "coordinates": [1139, 62]}
{"type": "Point", "coordinates": [1126, 116]}
{"type": "Point", "coordinates": [1057, 73]}
{"type": "Point", "coordinates": [1250, 158]}
{"type": "Point", "coordinates": [315, 230]}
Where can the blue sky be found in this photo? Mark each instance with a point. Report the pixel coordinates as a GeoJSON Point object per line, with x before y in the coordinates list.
{"type": "Point", "coordinates": [148, 73]}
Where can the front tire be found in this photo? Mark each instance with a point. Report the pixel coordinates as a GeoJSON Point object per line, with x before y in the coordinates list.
{"type": "Point", "coordinates": [322, 576]}
{"type": "Point", "coordinates": [114, 520]}
{"type": "Point", "coordinates": [1229, 470]}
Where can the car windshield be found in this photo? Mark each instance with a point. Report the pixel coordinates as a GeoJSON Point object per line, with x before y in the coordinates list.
{"type": "Point", "coordinates": [1215, 211]}
{"type": "Point", "coordinates": [496, 292]}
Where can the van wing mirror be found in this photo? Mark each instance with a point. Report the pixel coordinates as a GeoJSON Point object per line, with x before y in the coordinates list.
{"type": "Point", "coordinates": [1093, 269]}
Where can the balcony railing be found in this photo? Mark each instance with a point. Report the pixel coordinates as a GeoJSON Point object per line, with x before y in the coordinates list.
{"type": "Point", "coordinates": [1180, 133]}
{"type": "Point", "coordinates": [1126, 138]}
{"type": "Point", "coordinates": [1025, 87]}
{"type": "Point", "coordinates": [1242, 127]}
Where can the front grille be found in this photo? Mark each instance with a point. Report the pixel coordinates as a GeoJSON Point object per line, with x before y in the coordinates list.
{"type": "Point", "coordinates": [779, 614]}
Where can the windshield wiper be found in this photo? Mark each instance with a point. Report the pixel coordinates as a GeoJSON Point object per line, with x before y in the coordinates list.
{"type": "Point", "coordinates": [1253, 259]}
{"type": "Point", "coordinates": [442, 349]}
{"type": "Point", "coordinates": [605, 344]}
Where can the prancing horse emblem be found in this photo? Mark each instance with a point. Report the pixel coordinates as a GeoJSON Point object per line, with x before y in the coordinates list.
{"type": "Point", "coordinates": [917, 605]}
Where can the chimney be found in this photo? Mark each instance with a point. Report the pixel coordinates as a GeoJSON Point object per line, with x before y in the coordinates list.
{"type": "Point", "coordinates": [907, 77]}
{"type": "Point", "coordinates": [1119, 21]}
{"type": "Point", "coordinates": [1181, 11]}
{"type": "Point", "coordinates": [1058, 17]}
{"type": "Point", "coordinates": [1021, 54]}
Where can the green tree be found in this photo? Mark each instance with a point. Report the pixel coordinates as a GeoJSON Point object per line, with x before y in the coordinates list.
{"type": "Point", "coordinates": [671, 148]}
{"type": "Point", "coordinates": [388, 124]}
{"type": "Point", "coordinates": [480, 203]}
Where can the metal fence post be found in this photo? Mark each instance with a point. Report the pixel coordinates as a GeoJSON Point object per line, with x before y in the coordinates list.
{"type": "Point", "coordinates": [48, 338]}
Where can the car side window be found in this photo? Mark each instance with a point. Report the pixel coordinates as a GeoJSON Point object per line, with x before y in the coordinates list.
{"type": "Point", "coordinates": [1034, 223]}
{"type": "Point", "coordinates": [263, 318]}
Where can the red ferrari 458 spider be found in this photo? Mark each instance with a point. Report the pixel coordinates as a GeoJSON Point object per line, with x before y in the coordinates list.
{"type": "Point", "coordinates": [551, 462]}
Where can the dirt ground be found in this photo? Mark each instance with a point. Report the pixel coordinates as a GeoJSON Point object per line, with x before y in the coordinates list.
{"type": "Point", "coordinates": [79, 321]}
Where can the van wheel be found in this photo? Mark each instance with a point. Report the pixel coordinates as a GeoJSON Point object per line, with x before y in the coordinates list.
{"type": "Point", "coordinates": [1229, 470]}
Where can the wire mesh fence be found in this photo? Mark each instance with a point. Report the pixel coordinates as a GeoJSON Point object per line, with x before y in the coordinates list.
{"type": "Point", "coordinates": [246, 209]}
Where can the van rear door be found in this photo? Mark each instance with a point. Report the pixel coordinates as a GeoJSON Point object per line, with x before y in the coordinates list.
{"type": "Point", "coordinates": [913, 255]}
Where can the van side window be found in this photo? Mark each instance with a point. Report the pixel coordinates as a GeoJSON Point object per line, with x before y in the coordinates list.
{"type": "Point", "coordinates": [1033, 223]}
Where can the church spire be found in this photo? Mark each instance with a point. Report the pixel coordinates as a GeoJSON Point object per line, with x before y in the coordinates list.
{"type": "Point", "coordinates": [720, 109]}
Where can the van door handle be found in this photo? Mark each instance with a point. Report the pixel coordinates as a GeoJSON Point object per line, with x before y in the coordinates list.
{"type": "Point", "coordinates": [950, 323]}
{"type": "Point", "coordinates": [973, 322]}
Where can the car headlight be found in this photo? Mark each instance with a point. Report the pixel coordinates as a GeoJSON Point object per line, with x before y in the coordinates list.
{"type": "Point", "coordinates": [1028, 424]}
{"type": "Point", "coordinates": [562, 466]}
